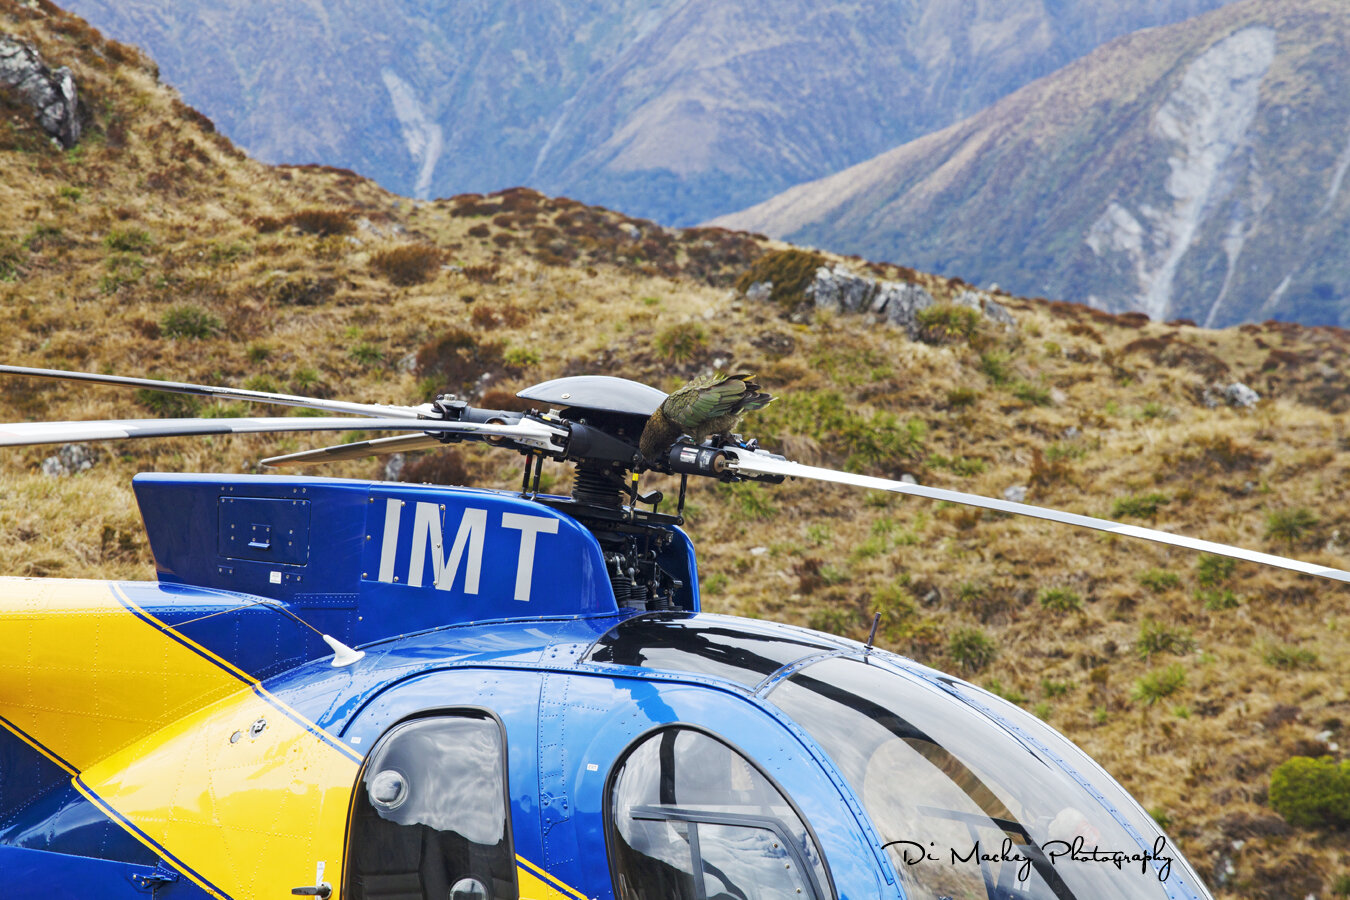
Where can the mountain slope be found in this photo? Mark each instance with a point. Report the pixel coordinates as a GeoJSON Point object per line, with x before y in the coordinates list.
{"type": "Point", "coordinates": [155, 247]}
{"type": "Point", "coordinates": [1191, 171]}
{"type": "Point", "coordinates": [677, 111]}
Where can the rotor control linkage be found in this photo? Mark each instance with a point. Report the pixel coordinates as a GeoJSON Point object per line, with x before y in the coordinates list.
{"type": "Point", "coordinates": [713, 462]}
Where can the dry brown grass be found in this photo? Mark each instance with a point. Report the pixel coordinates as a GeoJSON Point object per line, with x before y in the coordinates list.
{"type": "Point", "coordinates": [593, 294]}
{"type": "Point", "coordinates": [408, 265]}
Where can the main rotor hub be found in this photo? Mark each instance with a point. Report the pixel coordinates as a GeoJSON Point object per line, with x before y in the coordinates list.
{"type": "Point", "coordinates": [578, 395]}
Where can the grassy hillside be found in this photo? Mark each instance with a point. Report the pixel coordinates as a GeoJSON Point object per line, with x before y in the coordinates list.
{"type": "Point", "coordinates": [154, 247]}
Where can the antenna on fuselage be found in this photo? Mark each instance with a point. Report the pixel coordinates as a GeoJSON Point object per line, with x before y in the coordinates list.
{"type": "Point", "coordinates": [342, 654]}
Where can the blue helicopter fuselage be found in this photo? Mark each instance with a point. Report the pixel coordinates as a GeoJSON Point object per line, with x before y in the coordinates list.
{"type": "Point", "coordinates": [511, 728]}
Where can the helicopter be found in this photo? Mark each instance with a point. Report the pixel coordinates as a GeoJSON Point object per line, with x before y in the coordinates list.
{"type": "Point", "coordinates": [363, 689]}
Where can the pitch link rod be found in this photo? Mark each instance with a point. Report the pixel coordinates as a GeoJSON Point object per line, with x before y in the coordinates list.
{"type": "Point", "coordinates": [227, 393]}
{"type": "Point", "coordinates": [749, 463]}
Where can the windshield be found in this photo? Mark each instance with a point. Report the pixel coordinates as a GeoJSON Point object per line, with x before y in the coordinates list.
{"type": "Point", "coordinates": [965, 809]}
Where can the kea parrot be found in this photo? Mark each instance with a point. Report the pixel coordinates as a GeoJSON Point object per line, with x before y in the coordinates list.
{"type": "Point", "coordinates": [708, 405]}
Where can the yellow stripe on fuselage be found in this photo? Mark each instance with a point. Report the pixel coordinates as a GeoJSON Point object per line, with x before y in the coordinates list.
{"type": "Point", "coordinates": [536, 884]}
{"type": "Point", "coordinates": [240, 792]}
{"type": "Point", "coordinates": [85, 677]}
{"type": "Point", "coordinates": [146, 718]}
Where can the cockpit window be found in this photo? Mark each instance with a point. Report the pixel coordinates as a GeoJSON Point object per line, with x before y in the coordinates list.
{"type": "Point", "coordinates": [742, 652]}
{"type": "Point", "coordinates": [964, 808]}
{"type": "Point", "coordinates": [430, 814]}
{"type": "Point", "coordinates": [692, 819]}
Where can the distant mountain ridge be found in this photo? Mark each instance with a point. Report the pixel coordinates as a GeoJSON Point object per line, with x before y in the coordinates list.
{"type": "Point", "coordinates": [1194, 171]}
{"type": "Point", "coordinates": [675, 110]}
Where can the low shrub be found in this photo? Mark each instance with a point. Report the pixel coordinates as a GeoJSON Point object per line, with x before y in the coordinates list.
{"type": "Point", "coordinates": [262, 382]}
{"type": "Point", "coordinates": [12, 258]}
{"type": "Point", "coordinates": [1289, 658]}
{"type": "Point", "coordinates": [485, 274]}
{"type": "Point", "coordinates": [190, 322]}
{"type": "Point", "coordinates": [961, 397]}
{"type": "Point", "coordinates": [1053, 688]}
{"type": "Point", "coordinates": [128, 240]}
{"type": "Point", "coordinates": [1155, 637]}
{"type": "Point", "coordinates": [1289, 524]}
{"type": "Point", "coordinates": [1158, 684]}
{"type": "Point", "coordinates": [169, 406]}
{"type": "Point", "coordinates": [1060, 600]}
{"type": "Point", "coordinates": [790, 271]}
{"type": "Point", "coordinates": [439, 467]}
{"type": "Point", "coordinates": [122, 269]}
{"type": "Point", "coordinates": [971, 649]}
{"type": "Point", "coordinates": [944, 323]}
{"type": "Point", "coordinates": [305, 379]}
{"type": "Point", "coordinates": [44, 237]}
{"type": "Point", "coordinates": [1211, 570]}
{"type": "Point", "coordinates": [1218, 599]}
{"type": "Point", "coordinates": [995, 365]}
{"type": "Point", "coordinates": [366, 353]}
{"type": "Point", "coordinates": [1141, 506]}
{"type": "Point", "coordinates": [1011, 694]}
{"type": "Point", "coordinates": [1312, 793]}
{"type": "Point", "coordinates": [682, 342]}
{"type": "Point", "coordinates": [301, 290]}
{"type": "Point", "coordinates": [488, 315]}
{"type": "Point", "coordinates": [1032, 393]}
{"type": "Point", "coordinates": [409, 264]}
{"type": "Point", "coordinates": [833, 620]}
{"type": "Point", "coordinates": [965, 466]}
{"type": "Point", "coordinates": [457, 361]}
{"type": "Point", "coordinates": [322, 222]}
{"type": "Point", "coordinates": [881, 441]}
{"type": "Point", "coordinates": [1159, 581]}
{"type": "Point", "coordinates": [521, 357]}
{"type": "Point", "coordinates": [752, 503]}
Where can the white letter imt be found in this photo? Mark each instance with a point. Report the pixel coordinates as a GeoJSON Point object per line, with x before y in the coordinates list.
{"type": "Point", "coordinates": [529, 527]}
{"type": "Point", "coordinates": [427, 527]}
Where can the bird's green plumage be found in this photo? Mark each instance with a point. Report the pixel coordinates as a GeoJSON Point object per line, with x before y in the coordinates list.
{"type": "Point", "coordinates": [708, 405]}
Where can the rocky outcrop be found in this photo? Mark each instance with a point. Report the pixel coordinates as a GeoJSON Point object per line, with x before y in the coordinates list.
{"type": "Point", "coordinates": [897, 302]}
{"type": "Point", "coordinates": [1236, 395]}
{"type": "Point", "coordinates": [71, 459]}
{"type": "Point", "coordinates": [51, 94]}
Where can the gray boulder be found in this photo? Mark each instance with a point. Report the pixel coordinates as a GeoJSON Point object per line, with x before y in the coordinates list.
{"type": "Point", "coordinates": [1236, 395]}
{"type": "Point", "coordinates": [900, 302]}
{"type": "Point", "coordinates": [51, 94]}
{"type": "Point", "coordinates": [760, 291]}
{"type": "Point", "coordinates": [71, 458]}
{"type": "Point", "coordinates": [986, 306]}
{"type": "Point", "coordinates": [841, 290]}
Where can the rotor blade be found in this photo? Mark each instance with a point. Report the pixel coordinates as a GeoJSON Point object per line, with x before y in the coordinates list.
{"type": "Point", "coordinates": [204, 390]}
{"type": "Point", "coordinates": [402, 443]}
{"type": "Point", "coordinates": [528, 433]}
{"type": "Point", "coordinates": [750, 463]}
